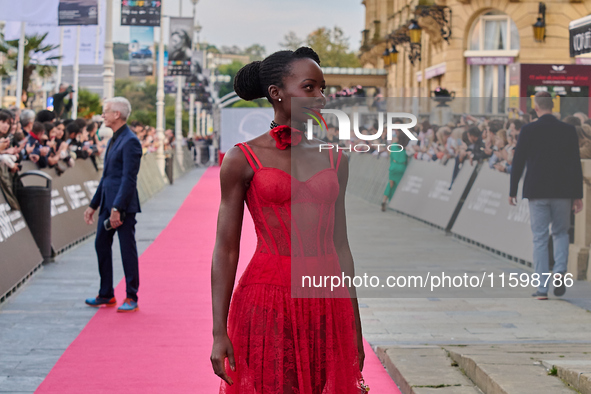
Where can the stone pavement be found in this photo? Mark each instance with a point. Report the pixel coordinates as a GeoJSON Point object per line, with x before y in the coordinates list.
{"type": "Point", "coordinates": [497, 345]}
{"type": "Point", "coordinates": [39, 321]}
{"type": "Point", "coordinates": [429, 345]}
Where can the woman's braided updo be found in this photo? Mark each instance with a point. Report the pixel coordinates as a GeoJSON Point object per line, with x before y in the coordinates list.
{"type": "Point", "coordinates": [253, 80]}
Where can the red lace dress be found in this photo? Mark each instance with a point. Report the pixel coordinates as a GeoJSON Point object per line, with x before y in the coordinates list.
{"type": "Point", "coordinates": [285, 345]}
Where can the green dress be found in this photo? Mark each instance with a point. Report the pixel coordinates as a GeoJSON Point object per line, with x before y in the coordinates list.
{"type": "Point", "coordinates": [398, 162]}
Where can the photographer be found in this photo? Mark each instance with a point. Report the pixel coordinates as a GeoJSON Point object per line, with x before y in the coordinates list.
{"type": "Point", "coordinates": [59, 109]}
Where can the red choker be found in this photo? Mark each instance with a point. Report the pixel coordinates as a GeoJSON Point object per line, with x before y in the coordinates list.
{"type": "Point", "coordinates": [286, 136]}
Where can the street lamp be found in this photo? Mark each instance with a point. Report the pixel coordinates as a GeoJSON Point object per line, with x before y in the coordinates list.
{"type": "Point", "coordinates": [393, 55]}
{"type": "Point", "coordinates": [540, 25]}
{"type": "Point", "coordinates": [197, 28]}
{"type": "Point", "coordinates": [386, 57]}
{"type": "Point", "coordinates": [414, 32]}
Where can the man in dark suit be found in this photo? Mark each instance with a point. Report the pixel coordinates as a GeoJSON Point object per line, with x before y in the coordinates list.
{"type": "Point", "coordinates": [118, 199]}
{"type": "Point", "coordinates": [553, 185]}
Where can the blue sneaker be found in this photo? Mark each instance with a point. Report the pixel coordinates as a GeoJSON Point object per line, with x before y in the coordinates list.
{"type": "Point", "coordinates": [100, 301]}
{"type": "Point", "coordinates": [128, 305]}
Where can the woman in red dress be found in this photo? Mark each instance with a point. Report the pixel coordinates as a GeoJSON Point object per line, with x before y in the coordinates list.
{"type": "Point", "coordinates": [265, 340]}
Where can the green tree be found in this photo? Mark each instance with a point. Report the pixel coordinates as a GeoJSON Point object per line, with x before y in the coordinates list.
{"type": "Point", "coordinates": [121, 51]}
{"type": "Point", "coordinates": [33, 46]}
{"type": "Point", "coordinates": [332, 47]}
{"type": "Point", "coordinates": [291, 41]}
{"type": "Point", "coordinates": [89, 104]}
{"type": "Point", "coordinates": [212, 48]}
{"type": "Point", "coordinates": [255, 52]}
{"type": "Point", "coordinates": [231, 70]}
{"type": "Point", "coordinates": [142, 97]}
{"type": "Point", "coordinates": [245, 104]}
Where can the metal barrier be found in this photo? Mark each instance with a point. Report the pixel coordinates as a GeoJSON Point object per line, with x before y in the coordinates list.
{"type": "Point", "coordinates": [475, 209]}
{"type": "Point", "coordinates": [19, 255]}
{"type": "Point", "coordinates": [488, 220]}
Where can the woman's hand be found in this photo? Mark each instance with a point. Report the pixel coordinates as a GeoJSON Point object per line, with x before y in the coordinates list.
{"type": "Point", "coordinates": [222, 348]}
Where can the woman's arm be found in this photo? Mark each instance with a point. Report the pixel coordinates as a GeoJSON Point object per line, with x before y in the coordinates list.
{"type": "Point", "coordinates": [341, 243]}
{"type": "Point", "coordinates": [234, 177]}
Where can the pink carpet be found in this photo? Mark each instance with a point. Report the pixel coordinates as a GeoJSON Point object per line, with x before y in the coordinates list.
{"type": "Point", "coordinates": [165, 347]}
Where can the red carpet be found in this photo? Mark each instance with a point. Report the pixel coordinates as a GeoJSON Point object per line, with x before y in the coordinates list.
{"type": "Point", "coordinates": [165, 347]}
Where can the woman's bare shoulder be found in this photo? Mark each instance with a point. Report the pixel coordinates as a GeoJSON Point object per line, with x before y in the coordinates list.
{"type": "Point", "coordinates": [234, 164]}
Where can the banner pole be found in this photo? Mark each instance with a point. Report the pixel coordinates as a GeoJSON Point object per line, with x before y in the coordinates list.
{"type": "Point", "coordinates": [108, 58]}
{"type": "Point", "coordinates": [60, 61]}
{"type": "Point", "coordinates": [178, 124]}
{"type": "Point", "coordinates": [76, 71]}
{"type": "Point", "coordinates": [98, 32]}
{"type": "Point", "coordinates": [198, 114]}
{"type": "Point", "coordinates": [20, 69]}
{"type": "Point", "coordinates": [160, 100]}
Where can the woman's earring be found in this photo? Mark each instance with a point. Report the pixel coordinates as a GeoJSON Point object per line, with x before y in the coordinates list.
{"type": "Point", "coordinates": [280, 99]}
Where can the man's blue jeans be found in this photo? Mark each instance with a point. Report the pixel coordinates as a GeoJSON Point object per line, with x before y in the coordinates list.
{"type": "Point", "coordinates": [544, 212]}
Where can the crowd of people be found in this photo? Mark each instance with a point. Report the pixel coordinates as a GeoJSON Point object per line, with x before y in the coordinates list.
{"type": "Point", "coordinates": [50, 142]}
{"type": "Point", "coordinates": [474, 139]}
{"type": "Point", "coordinates": [47, 141]}
{"type": "Point", "coordinates": [490, 140]}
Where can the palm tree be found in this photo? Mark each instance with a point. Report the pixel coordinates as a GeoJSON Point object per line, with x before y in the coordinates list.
{"type": "Point", "coordinates": [33, 46]}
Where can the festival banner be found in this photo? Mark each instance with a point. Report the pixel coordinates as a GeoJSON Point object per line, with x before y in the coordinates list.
{"type": "Point", "coordinates": [141, 51]}
{"type": "Point", "coordinates": [78, 12]}
{"type": "Point", "coordinates": [91, 51]}
{"type": "Point", "coordinates": [30, 11]}
{"type": "Point", "coordinates": [140, 12]}
{"type": "Point", "coordinates": [179, 46]}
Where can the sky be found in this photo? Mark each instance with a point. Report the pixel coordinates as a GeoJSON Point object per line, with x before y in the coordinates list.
{"type": "Point", "coordinates": [264, 22]}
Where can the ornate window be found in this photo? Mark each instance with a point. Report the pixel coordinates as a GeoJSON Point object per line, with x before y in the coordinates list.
{"type": "Point", "coordinates": [493, 44]}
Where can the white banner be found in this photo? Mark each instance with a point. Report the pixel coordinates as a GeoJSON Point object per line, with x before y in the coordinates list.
{"type": "Point", "coordinates": [34, 11]}
{"type": "Point", "coordinates": [88, 39]}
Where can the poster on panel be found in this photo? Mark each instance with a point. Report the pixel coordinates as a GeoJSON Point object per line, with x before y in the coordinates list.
{"type": "Point", "coordinates": [140, 12]}
{"type": "Point", "coordinates": [78, 12]}
{"type": "Point", "coordinates": [179, 46]}
{"type": "Point", "coordinates": [141, 51]}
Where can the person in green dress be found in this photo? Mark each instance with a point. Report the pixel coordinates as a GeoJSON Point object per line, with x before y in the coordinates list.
{"type": "Point", "coordinates": [398, 161]}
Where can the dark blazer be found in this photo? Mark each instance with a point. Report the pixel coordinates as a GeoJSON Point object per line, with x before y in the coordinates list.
{"type": "Point", "coordinates": [550, 149]}
{"type": "Point", "coordinates": [118, 185]}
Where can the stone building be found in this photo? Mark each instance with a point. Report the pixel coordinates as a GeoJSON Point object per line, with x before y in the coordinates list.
{"type": "Point", "coordinates": [467, 46]}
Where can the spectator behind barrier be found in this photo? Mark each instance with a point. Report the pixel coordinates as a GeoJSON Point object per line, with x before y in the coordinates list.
{"type": "Point", "coordinates": [582, 117]}
{"type": "Point", "coordinates": [45, 116]}
{"type": "Point", "coordinates": [35, 149]}
{"type": "Point", "coordinates": [79, 144]}
{"type": "Point", "coordinates": [26, 119]}
{"type": "Point", "coordinates": [9, 153]}
{"type": "Point", "coordinates": [572, 120]}
{"type": "Point", "coordinates": [584, 143]}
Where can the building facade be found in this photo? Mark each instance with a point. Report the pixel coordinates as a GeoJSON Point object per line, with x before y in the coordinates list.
{"type": "Point", "coordinates": [466, 46]}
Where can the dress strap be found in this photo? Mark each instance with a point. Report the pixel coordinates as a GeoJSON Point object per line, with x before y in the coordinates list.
{"type": "Point", "coordinates": [331, 159]}
{"type": "Point", "coordinates": [339, 158]}
{"type": "Point", "coordinates": [241, 145]}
